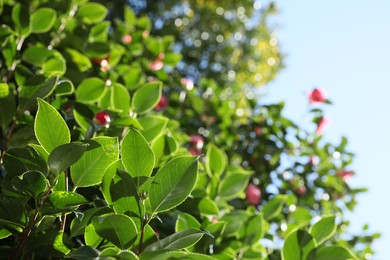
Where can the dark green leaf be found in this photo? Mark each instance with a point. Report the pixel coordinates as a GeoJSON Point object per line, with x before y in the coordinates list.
{"type": "Point", "coordinates": [21, 19]}
{"type": "Point", "coordinates": [32, 183]}
{"type": "Point", "coordinates": [84, 253]}
{"type": "Point", "coordinates": [36, 87]}
{"type": "Point", "coordinates": [20, 160]}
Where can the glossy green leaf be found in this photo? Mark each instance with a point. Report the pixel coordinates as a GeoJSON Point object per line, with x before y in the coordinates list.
{"type": "Point", "coordinates": [137, 156]}
{"type": "Point", "coordinates": [216, 160]}
{"type": "Point", "coordinates": [126, 121]}
{"type": "Point", "coordinates": [65, 199]}
{"type": "Point", "coordinates": [298, 245]}
{"type": "Point", "coordinates": [50, 128]}
{"type": "Point", "coordinates": [274, 206]}
{"type": "Point", "coordinates": [254, 230]}
{"type": "Point", "coordinates": [90, 90]}
{"type": "Point", "coordinates": [63, 156]}
{"type": "Point", "coordinates": [78, 224]}
{"type": "Point", "coordinates": [172, 59]}
{"type": "Point", "coordinates": [99, 32]}
{"type": "Point", "coordinates": [323, 229]}
{"type": "Point", "coordinates": [54, 66]}
{"type": "Point", "coordinates": [152, 126]}
{"type": "Point", "coordinates": [233, 184]}
{"type": "Point", "coordinates": [83, 253]}
{"type": "Point", "coordinates": [165, 254]}
{"type": "Point", "coordinates": [42, 20]}
{"type": "Point", "coordinates": [146, 97]}
{"type": "Point", "coordinates": [36, 87]}
{"type": "Point", "coordinates": [64, 88]}
{"type": "Point", "coordinates": [234, 222]}
{"type": "Point", "coordinates": [7, 107]}
{"type": "Point", "coordinates": [208, 207]}
{"type": "Point", "coordinates": [58, 243]}
{"type": "Point", "coordinates": [91, 237]}
{"type": "Point", "coordinates": [332, 252]}
{"type": "Point", "coordinates": [110, 177]}
{"type": "Point", "coordinates": [178, 240]}
{"type": "Point", "coordinates": [185, 221]}
{"type": "Point", "coordinates": [4, 233]}
{"type": "Point", "coordinates": [32, 183]}
{"type": "Point", "coordinates": [118, 229]}
{"type": "Point", "coordinates": [173, 183]}
{"type": "Point", "coordinates": [77, 59]}
{"type": "Point", "coordinates": [90, 168]}
{"type": "Point", "coordinates": [120, 99]}
{"type": "Point", "coordinates": [20, 160]}
{"type": "Point", "coordinates": [92, 12]}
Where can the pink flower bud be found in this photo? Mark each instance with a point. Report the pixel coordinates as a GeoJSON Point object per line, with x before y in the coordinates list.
{"type": "Point", "coordinates": [317, 95]}
{"type": "Point", "coordinates": [345, 175]}
{"type": "Point", "coordinates": [197, 141]}
{"type": "Point", "coordinates": [187, 83]}
{"type": "Point", "coordinates": [127, 38]}
{"type": "Point", "coordinates": [253, 194]}
{"type": "Point", "coordinates": [156, 65]}
{"type": "Point", "coordinates": [194, 151]}
{"type": "Point", "coordinates": [301, 190]}
{"type": "Point", "coordinates": [163, 103]}
{"type": "Point", "coordinates": [102, 119]}
{"type": "Point", "coordinates": [321, 125]}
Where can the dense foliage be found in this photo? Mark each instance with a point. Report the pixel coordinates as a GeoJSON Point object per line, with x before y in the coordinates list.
{"type": "Point", "coordinates": [116, 142]}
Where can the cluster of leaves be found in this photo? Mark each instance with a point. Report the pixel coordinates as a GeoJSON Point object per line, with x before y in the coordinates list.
{"type": "Point", "coordinates": [95, 163]}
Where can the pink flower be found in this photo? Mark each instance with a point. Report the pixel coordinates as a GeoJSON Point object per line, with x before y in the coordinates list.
{"type": "Point", "coordinates": [163, 103]}
{"type": "Point", "coordinates": [323, 122]}
{"type": "Point", "coordinates": [187, 83]}
{"type": "Point", "coordinates": [345, 175]}
{"type": "Point", "coordinates": [317, 95]}
{"type": "Point", "coordinates": [253, 194]}
{"type": "Point", "coordinates": [197, 141]}
{"type": "Point", "coordinates": [156, 65]}
{"type": "Point", "coordinates": [127, 38]}
{"type": "Point", "coordinates": [195, 151]}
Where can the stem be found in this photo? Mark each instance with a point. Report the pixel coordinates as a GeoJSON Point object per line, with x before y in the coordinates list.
{"type": "Point", "coordinates": [141, 237]}
{"type": "Point", "coordinates": [15, 254]}
{"type": "Point", "coordinates": [63, 219]}
{"type": "Point", "coordinates": [56, 38]}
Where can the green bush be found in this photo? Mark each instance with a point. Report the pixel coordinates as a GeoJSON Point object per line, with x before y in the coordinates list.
{"type": "Point", "coordinates": [106, 151]}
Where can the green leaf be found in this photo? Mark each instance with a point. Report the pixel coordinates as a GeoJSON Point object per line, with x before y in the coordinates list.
{"type": "Point", "coordinates": [118, 229]}
{"type": "Point", "coordinates": [233, 184]}
{"type": "Point", "coordinates": [254, 230]}
{"type": "Point", "coordinates": [185, 221]}
{"type": "Point", "coordinates": [32, 183]}
{"type": "Point", "coordinates": [99, 32]}
{"type": "Point", "coordinates": [179, 240]}
{"type": "Point", "coordinates": [7, 106]}
{"type": "Point", "coordinates": [208, 207]}
{"type": "Point", "coordinates": [36, 55]}
{"type": "Point", "coordinates": [92, 13]}
{"type": "Point", "coordinates": [137, 156]}
{"type": "Point", "coordinates": [172, 59]}
{"type": "Point", "coordinates": [54, 66]}
{"type": "Point", "coordinates": [77, 227]}
{"type": "Point", "coordinates": [58, 243]}
{"type": "Point", "coordinates": [91, 237]}
{"type": "Point", "coordinates": [65, 199]}
{"type": "Point", "coordinates": [83, 253]}
{"type": "Point", "coordinates": [65, 155]}
{"type": "Point", "coordinates": [332, 252]}
{"type": "Point", "coordinates": [274, 206]}
{"type": "Point", "coordinates": [165, 254]}
{"type": "Point", "coordinates": [216, 160]}
{"type": "Point", "coordinates": [4, 233]}
{"type": "Point", "coordinates": [110, 177]}
{"type": "Point", "coordinates": [79, 60]}
{"type": "Point", "coordinates": [64, 88]}
{"type": "Point", "coordinates": [90, 90]}
{"type": "Point", "coordinates": [234, 221]}
{"type": "Point", "coordinates": [146, 97]}
{"type": "Point", "coordinates": [21, 19]}
{"type": "Point", "coordinates": [36, 87]}
{"type": "Point", "coordinates": [152, 126]}
{"type": "Point", "coordinates": [298, 245]}
{"type": "Point", "coordinates": [50, 128]}
{"type": "Point", "coordinates": [90, 168]}
{"type": "Point", "coordinates": [323, 229]}
{"type": "Point", "coordinates": [173, 183]}
{"type": "Point", "coordinates": [20, 160]}
{"type": "Point", "coordinates": [42, 20]}
{"type": "Point", "coordinates": [126, 121]}
{"type": "Point", "coordinates": [120, 99]}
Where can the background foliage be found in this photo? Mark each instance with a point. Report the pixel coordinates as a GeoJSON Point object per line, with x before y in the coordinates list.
{"type": "Point", "coordinates": [129, 137]}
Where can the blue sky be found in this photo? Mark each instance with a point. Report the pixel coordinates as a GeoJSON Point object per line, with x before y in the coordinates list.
{"type": "Point", "coordinates": [344, 47]}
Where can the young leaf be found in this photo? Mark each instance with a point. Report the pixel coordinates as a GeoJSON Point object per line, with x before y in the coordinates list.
{"type": "Point", "coordinates": [298, 246]}
{"type": "Point", "coordinates": [137, 156]}
{"type": "Point", "coordinates": [42, 20]}
{"type": "Point", "coordinates": [323, 229]}
{"type": "Point", "coordinates": [274, 206]}
{"type": "Point", "coordinates": [179, 240]}
{"type": "Point", "coordinates": [118, 229]}
{"type": "Point", "coordinates": [120, 99]}
{"type": "Point", "coordinates": [173, 183]}
{"type": "Point", "coordinates": [65, 199]}
{"type": "Point", "coordinates": [90, 168]}
{"type": "Point", "coordinates": [216, 160]}
{"type": "Point", "coordinates": [146, 97]}
{"type": "Point", "coordinates": [50, 128]}
{"type": "Point", "coordinates": [92, 13]}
